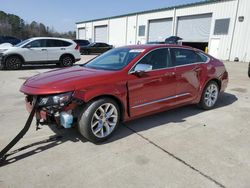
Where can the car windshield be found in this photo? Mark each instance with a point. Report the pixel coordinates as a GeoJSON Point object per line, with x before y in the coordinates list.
{"type": "Point", "coordinates": [115, 59]}
{"type": "Point", "coordinates": [23, 42]}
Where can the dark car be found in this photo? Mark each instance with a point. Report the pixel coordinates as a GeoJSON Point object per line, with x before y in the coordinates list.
{"type": "Point", "coordinates": [96, 48]}
{"type": "Point", "coordinates": [123, 84]}
{"type": "Point", "coordinates": [173, 40]}
{"type": "Point", "coordinates": [9, 39]}
{"type": "Point", "coordinates": [156, 42]}
{"type": "Point", "coordinates": [82, 43]}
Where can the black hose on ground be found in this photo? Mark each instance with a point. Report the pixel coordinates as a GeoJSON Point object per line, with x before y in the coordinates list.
{"type": "Point", "coordinates": [20, 134]}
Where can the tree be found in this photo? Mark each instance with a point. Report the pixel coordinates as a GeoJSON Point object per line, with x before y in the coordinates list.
{"type": "Point", "coordinates": [13, 25]}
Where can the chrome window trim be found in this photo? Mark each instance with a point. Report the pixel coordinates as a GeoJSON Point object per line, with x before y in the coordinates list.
{"type": "Point", "coordinates": [208, 59]}
{"type": "Point", "coordinates": [160, 100]}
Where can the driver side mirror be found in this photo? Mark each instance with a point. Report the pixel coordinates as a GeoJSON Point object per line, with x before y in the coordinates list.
{"type": "Point", "coordinates": [140, 69]}
{"type": "Point", "coordinates": [28, 46]}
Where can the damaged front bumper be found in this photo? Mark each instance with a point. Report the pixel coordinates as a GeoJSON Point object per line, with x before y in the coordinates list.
{"type": "Point", "coordinates": [60, 109]}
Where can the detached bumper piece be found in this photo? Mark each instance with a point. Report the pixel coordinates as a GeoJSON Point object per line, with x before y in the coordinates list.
{"type": "Point", "coordinates": [20, 134]}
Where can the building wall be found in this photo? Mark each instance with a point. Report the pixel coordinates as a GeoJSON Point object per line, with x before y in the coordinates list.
{"type": "Point", "coordinates": [124, 30]}
{"type": "Point", "coordinates": [241, 40]}
{"type": "Point", "coordinates": [143, 19]}
{"type": "Point", "coordinates": [118, 31]}
{"type": "Point", "coordinates": [131, 30]}
{"type": "Point", "coordinates": [219, 10]}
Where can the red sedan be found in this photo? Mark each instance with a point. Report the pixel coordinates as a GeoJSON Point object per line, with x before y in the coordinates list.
{"type": "Point", "coordinates": [123, 84]}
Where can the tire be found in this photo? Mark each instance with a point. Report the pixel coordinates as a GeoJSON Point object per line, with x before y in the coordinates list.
{"type": "Point", "coordinates": [13, 63]}
{"type": "Point", "coordinates": [66, 61]}
{"type": "Point", "coordinates": [86, 52]}
{"type": "Point", "coordinates": [96, 126]}
{"type": "Point", "coordinates": [209, 96]}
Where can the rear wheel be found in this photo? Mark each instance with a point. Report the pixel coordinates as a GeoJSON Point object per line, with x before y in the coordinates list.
{"type": "Point", "coordinates": [13, 63]}
{"type": "Point", "coordinates": [66, 61]}
{"type": "Point", "coordinates": [209, 96]}
{"type": "Point", "coordinates": [99, 120]}
{"type": "Point", "coordinates": [86, 52]}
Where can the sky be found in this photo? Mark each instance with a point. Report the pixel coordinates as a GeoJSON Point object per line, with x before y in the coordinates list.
{"type": "Point", "coordinates": [63, 14]}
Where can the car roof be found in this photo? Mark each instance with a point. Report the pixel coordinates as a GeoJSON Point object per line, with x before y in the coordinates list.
{"type": "Point", "coordinates": [37, 38]}
{"type": "Point", "coordinates": [154, 46]}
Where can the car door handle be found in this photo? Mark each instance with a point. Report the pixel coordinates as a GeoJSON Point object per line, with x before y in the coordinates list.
{"type": "Point", "coordinates": [44, 49]}
{"type": "Point", "coordinates": [63, 49]}
{"type": "Point", "coordinates": [169, 74]}
{"type": "Point", "coordinates": [197, 69]}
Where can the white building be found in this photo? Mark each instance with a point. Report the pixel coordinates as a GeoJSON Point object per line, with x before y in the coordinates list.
{"type": "Point", "coordinates": [222, 25]}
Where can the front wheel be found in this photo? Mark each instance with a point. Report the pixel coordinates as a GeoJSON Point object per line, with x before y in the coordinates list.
{"type": "Point", "coordinates": [13, 63]}
{"type": "Point", "coordinates": [209, 96]}
{"type": "Point", "coordinates": [99, 120]}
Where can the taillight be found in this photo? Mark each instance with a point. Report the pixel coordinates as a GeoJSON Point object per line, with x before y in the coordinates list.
{"type": "Point", "coordinates": [77, 47]}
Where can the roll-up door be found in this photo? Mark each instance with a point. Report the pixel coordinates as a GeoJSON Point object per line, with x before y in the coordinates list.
{"type": "Point", "coordinates": [159, 29]}
{"type": "Point", "coordinates": [81, 33]}
{"type": "Point", "coordinates": [101, 33]}
{"type": "Point", "coordinates": [195, 28]}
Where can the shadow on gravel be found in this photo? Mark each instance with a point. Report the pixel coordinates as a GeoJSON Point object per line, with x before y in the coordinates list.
{"type": "Point", "coordinates": [61, 136]}
{"type": "Point", "coordinates": [177, 115]}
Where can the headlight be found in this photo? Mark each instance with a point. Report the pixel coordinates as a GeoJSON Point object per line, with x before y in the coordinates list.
{"type": "Point", "coordinates": [55, 100]}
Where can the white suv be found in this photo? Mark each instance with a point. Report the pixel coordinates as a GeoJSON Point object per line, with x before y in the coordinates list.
{"type": "Point", "coordinates": [64, 52]}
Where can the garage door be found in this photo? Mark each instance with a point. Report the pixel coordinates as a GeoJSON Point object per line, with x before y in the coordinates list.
{"type": "Point", "coordinates": [159, 30]}
{"type": "Point", "coordinates": [101, 34]}
{"type": "Point", "coordinates": [194, 28]}
{"type": "Point", "coordinates": [81, 33]}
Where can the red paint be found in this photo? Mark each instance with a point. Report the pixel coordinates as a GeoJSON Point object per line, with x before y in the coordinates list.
{"type": "Point", "coordinates": [129, 89]}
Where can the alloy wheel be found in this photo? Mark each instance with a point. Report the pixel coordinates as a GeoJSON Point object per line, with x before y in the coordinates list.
{"type": "Point", "coordinates": [104, 120]}
{"type": "Point", "coordinates": [13, 63]}
{"type": "Point", "coordinates": [67, 61]}
{"type": "Point", "coordinates": [211, 95]}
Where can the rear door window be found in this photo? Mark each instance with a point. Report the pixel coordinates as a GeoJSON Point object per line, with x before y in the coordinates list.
{"type": "Point", "coordinates": [203, 57]}
{"type": "Point", "coordinates": [103, 45]}
{"type": "Point", "coordinates": [184, 56]}
{"type": "Point", "coordinates": [57, 43]}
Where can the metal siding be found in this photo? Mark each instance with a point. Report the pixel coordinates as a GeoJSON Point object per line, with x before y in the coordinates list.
{"type": "Point", "coordinates": [219, 10]}
{"type": "Point", "coordinates": [101, 34]}
{"type": "Point", "coordinates": [241, 40]}
{"type": "Point", "coordinates": [89, 32]}
{"type": "Point", "coordinates": [131, 30]}
{"type": "Point", "coordinates": [195, 28]}
{"type": "Point", "coordinates": [117, 37]}
{"type": "Point", "coordinates": [143, 19]}
{"type": "Point", "coordinates": [159, 30]}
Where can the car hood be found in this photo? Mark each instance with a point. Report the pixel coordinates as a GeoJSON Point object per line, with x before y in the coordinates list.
{"type": "Point", "coordinates": [6, 46]}
{"type": "Point", "coordinates": [62, 80]}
